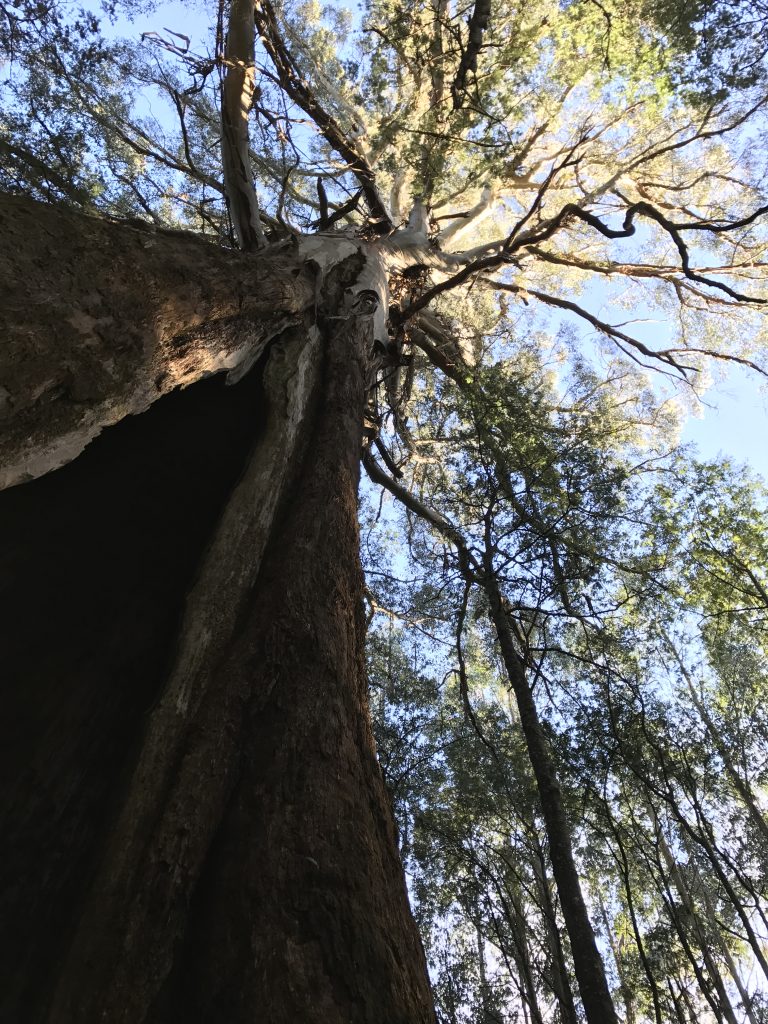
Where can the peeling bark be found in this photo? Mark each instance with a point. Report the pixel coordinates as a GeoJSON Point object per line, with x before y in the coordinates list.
{"type": "Point", "coordinates": [100, 320]}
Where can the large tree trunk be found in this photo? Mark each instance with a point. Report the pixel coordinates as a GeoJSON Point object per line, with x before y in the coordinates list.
{"type": "Point", "coordinates": [196, 822]}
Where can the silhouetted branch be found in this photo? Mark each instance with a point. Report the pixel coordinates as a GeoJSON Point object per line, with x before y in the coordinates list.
{"type": "Point", "coordinates": [477, 25]}
{"type": "Point", "coordinates": [297, 89]}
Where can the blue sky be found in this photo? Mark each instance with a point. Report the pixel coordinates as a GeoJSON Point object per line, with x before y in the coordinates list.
{"type": "Point", "coordinates": [735, 421]}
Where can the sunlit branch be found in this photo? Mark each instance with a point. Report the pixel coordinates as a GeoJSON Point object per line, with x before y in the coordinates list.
{"type": "Point", "coordinates": [470, 219]}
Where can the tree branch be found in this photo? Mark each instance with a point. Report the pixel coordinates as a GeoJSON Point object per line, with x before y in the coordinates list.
{"type": "Point", "coordinates": [236, 100]}
{"type": "Point", "coordinates": [629, 227]}
{"type": "Point", "coordinates": [477, 25]}
{"type": "Point", "coordinates": [608, 329]}
{"type": "Point", "coordinates": [411, 502]}
{"type": "Point", "coordinates": [22, 157]}
{"type": "Point", "coordinates": [302, 96]}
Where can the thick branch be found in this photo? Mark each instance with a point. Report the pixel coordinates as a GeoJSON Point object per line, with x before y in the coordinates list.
{"type": "Point", "coordinates": [464, 222]}
{"type": "Point", "coordinates": [477, 25]}
{"type": "Point", "coordinates": [236, 101]}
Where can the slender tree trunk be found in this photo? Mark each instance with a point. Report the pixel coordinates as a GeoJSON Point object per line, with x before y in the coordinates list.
{"type": "Point", "coordinates": [197, 823]}
{"type": "Point", "coordinates": [588, 964]}
{"type": "Point", "coordinates": [741, 785]}
{"type": "Point", "coordinates": [237, 96]}
{"type": "Point", "coordinates": [627, 991]}
{"type": "Point", "coordinates": [485, 1014]}
{"type": "Point", "coordinates": [622, 862]}
{"type": "Point", "coordinates": [561, 982]}
{"type": "Point", "coordinates": [521, 952]}
{"type": "Point", "coordinates": [687, 920]}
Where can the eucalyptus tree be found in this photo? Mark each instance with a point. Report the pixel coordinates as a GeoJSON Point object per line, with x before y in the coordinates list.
{"type": "Point", "coordinates": [476, 856]}
{"type": "Point", "coordinates": [198, 823]}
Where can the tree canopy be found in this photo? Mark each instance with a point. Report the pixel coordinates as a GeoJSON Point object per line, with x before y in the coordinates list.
{"type": "Point", "coordinates": [567, 611]}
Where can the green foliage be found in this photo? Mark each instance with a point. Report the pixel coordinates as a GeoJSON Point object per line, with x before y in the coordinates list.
{"type": "Point", "coordinates": [635, 583]}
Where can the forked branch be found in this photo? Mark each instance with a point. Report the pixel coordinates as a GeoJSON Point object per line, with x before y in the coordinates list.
{"type": "Point", "coordinates": [675, 231]}
{"type": "Point", "coordinates": [504, 252]}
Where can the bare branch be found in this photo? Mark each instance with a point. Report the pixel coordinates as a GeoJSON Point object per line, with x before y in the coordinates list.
{"type": "Point", "coordinates": [628, 228]}
{"type": "Point", "coordinates": [181, 111]}
{"type": "Point", "coordinates": [415, 505]}
{"type": "Point", "coordinates": [608, 330]}
{"type": "Point", "coordinates": [667, 355]}
{"type": "Point", "coordinates": [343, 211]}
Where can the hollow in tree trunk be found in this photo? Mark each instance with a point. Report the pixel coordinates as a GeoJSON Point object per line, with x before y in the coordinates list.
{"type": "Point", "coordinates": [196, 821]}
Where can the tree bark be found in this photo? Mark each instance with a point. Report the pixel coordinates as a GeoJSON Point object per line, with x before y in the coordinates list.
{"type": "Point", "coordinates": [198, 825]}
{"type": "Point", "coordinates": [237, 96]}
{"type": "Point", "coordinates": [100, 320]}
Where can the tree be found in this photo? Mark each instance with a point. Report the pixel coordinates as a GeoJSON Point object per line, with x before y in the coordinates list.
{"type": "Point", "coordinates": [198, 822]}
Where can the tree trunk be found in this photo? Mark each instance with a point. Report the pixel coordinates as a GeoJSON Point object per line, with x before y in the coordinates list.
{"type": "Point", "coordinates": [588, 965]}
{"type": "Point", "coordinates": [197, 826]}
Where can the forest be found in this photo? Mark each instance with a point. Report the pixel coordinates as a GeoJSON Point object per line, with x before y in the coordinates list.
{"type": "Point", "coordinates": [375, 651]}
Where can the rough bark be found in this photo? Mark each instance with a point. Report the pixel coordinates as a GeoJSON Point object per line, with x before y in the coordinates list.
{"type": "Point", "coordinates": [100, 320]}
{"type": "Point", "coordinates": [201, 831]}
